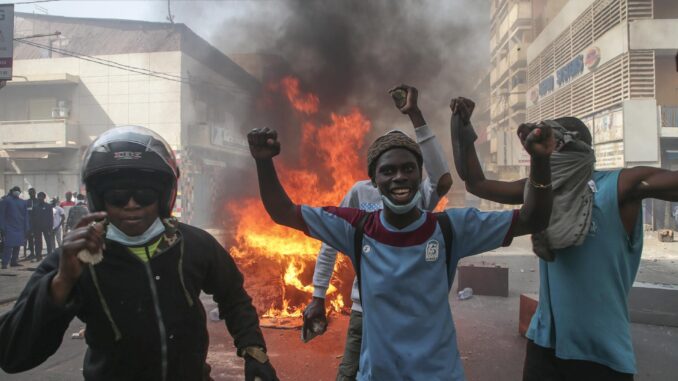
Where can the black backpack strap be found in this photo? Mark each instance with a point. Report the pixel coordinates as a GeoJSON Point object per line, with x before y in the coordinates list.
{"type": "Point", "coordinates": [358, 248]}
{"type": "Point", "coordinates": [446, 228]}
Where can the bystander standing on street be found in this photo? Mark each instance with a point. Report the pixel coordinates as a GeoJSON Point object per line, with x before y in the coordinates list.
{"type": "Point", "coordinates": [76, 213]}
{"type": "Point", "coordinates": [14, 226]}
{"type": "Point", "coordinates": [58, 222]}
{"type": "Point", "coordinates": [30, 237]}
{"type": "Point", "coordinates": [43, 223]}
{"type": "Point", "coordinates": [67, 204]}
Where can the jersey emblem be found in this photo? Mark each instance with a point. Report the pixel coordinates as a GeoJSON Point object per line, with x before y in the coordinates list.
{"type": "Point", "coordinates": [367, 249]}
{"type": "Point", "coordinates": [432, 248]}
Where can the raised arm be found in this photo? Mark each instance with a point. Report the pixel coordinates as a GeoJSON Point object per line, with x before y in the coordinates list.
{"type": "Point", "coordinates": [636, 184]}
{"type": "Point", "coordinates": [264, 146]}
{"type": "Point", "coordinates": [467, 163]}
{"type": "Point", "coordinates": [647, 182]}
{"type": "Point", "coordinates": [536, 211]}
{"type": "Point", "coordinates": [434, 159]}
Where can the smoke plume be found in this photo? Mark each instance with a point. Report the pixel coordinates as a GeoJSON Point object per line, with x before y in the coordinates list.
{"type": "Point", "coordinates": [350, 53]}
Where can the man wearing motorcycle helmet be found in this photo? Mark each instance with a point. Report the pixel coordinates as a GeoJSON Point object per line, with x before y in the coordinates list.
{"type": "Point", "coordinates": [134, 275]}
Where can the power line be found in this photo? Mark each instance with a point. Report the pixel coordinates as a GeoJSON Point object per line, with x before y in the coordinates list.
{"type": "Point", "coordinates": [98, 59]}
{"type": "Point", "coordinates": [33, 2]}
{"type": "Point", "coordinates": [57, 33]}
{"type": "Point", "coordinates": [133, 69]}
{"type": "Point", "coordinates": [170, 16]}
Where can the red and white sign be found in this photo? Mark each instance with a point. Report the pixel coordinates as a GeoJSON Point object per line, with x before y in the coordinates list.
{"type": "Point", "coordinates": [6, 41]}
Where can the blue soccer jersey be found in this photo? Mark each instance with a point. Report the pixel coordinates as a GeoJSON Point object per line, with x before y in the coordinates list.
{"type": "Point", "coordinates": [408, 332]}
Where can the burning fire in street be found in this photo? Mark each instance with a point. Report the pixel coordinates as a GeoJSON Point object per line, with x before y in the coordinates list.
{"type": "Point", "coordinates": [277, 261]}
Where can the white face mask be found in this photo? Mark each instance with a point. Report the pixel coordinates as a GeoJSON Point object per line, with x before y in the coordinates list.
{"type": "Point", "coordinates": [401, 208]}
{"type": "Point", "coordinates": [115, 234]}
{"type": "Point", "coordinates": [16, 193]}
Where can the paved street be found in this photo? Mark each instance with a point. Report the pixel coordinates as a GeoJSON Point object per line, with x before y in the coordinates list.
{"type": "Point", "coordinates": [487, 330]}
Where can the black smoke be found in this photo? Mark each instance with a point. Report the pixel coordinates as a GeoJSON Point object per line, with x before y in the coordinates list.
{"type": "Point", "coordinates": [351, 52]}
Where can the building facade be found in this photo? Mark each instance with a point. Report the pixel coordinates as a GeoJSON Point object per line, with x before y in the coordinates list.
{"type": "Point", "coordinates": [85, 76]}
{"type": "Point", "coordinates": [510, 34]}
{"type": "Point", "coordinates": [611, 63]}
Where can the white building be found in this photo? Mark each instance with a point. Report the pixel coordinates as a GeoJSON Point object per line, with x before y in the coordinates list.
{"type": "Point", "coordinates": [511, 31]}
{"type": "Point", "coordinates": [611, 63]}
{"type": "Point", "coordinates": [96, 74]}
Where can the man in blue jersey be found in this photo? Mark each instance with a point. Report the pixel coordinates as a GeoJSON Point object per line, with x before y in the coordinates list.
{"type": "Point", "coordinates": [590, 252]}
{"type": "Point", "coordinates": [408, 332]}
{"type": "Point", "coordinates": [365, 196]}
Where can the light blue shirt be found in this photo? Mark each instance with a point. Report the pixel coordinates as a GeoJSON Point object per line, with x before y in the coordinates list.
{"type": "Point", "coordinates": [583, 294]}
{"type": "Point", "coordinates": [408, 332]}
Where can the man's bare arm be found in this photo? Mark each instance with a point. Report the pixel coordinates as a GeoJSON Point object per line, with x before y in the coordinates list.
{"type": "Point", "coordinates": [505, 192]}
{"type": "Point", "coordinates": [264, 146]}
{"type": "Point", "coordinates": [636, 184]}
{"type": "Point", "coordinates": [647, 182]}
{"type": "Point", "coordinates": [536, 211]}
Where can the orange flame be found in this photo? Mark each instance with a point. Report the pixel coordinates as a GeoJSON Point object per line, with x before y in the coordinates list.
{"type": "Point", "coordinates": [332, 150]}
{"type": "Point", "coordinates": [304, 103]}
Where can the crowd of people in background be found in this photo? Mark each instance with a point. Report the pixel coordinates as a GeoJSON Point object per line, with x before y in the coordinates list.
{"type": "Point", "coordinates": [32, 222]}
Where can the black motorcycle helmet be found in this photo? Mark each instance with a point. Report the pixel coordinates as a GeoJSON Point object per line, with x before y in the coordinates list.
{"type": "Point", "coordinates": [130, 156]}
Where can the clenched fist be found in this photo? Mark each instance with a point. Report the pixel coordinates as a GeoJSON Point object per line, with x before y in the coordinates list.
{"type": "Point", "coordinates": [263, 143]}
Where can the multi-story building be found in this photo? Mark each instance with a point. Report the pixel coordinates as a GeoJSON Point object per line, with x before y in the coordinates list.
{"type": "Point", "coordinates": [611, 63]}
{"type": "Point", "coordinates": [94, 74]}
{"type": "Point", "coordinates": [511, 31]}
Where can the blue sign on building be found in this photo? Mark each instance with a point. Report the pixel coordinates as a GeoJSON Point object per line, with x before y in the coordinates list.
{"type": "Point", "coordinates": [546, 86]}
{"type": "Point", "coordinates": [573, 69]}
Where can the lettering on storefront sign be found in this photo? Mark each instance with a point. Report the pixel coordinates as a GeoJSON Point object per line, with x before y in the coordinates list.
{"type": "Point", "coordinates": [546, 86]}
{"type": "Point", "coordinates": [222, 137]}
{"type": "Point", "coordinates": [571, 70]}
{"type": "Point", "coordinates": [578, 66]}
{"type": "Point", "coordinates": [609, 155]}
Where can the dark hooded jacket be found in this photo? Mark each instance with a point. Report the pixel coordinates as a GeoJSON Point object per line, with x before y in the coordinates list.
{"type": "Point", "coordinates": [144, 320]}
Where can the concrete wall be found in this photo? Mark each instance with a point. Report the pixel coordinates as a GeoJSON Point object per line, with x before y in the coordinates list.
{"type": "Point", "coordinates": [101, 98]}
{"type": "Point", "coordinates": [212, 101]}
{"type": "Point", "coordinates": [216, 115]}
{"type": "Point", "coordinates": [665, 9]}
{"type": "Point", "coordinates": [108, 96]}
{"type": "Point", "coordinates": [666, 80]}
{"type": "Point", "coordinates": [641, 132]}
{"type": "Point", "coordinates": [568, 13]}
{"type": "Point", "coordinates": [544, 11]}
{"type": "Point", "coordinates": [653, 34]}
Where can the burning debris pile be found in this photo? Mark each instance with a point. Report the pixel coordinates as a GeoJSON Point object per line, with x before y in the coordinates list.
{"type": "Point", "coordinates": [278, 262]}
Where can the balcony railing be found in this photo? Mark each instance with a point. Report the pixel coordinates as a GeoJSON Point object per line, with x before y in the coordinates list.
{"type": "Point", "coordinates": [31, 134]}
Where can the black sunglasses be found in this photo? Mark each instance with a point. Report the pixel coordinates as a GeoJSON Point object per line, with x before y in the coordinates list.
{"type": "Point", "coordinates": [120, 197]}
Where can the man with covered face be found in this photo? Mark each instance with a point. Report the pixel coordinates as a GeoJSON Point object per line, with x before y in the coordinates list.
{"type": "Point", "coordinates": [134, 275]}
{"type": "Point", "coordinates": [406, 258]}
{"type": "Point", "coordinates": [590, 252]}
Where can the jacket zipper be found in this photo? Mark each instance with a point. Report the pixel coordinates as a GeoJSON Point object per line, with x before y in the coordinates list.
{"type": "Point", "coordinates": [161, 324]}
